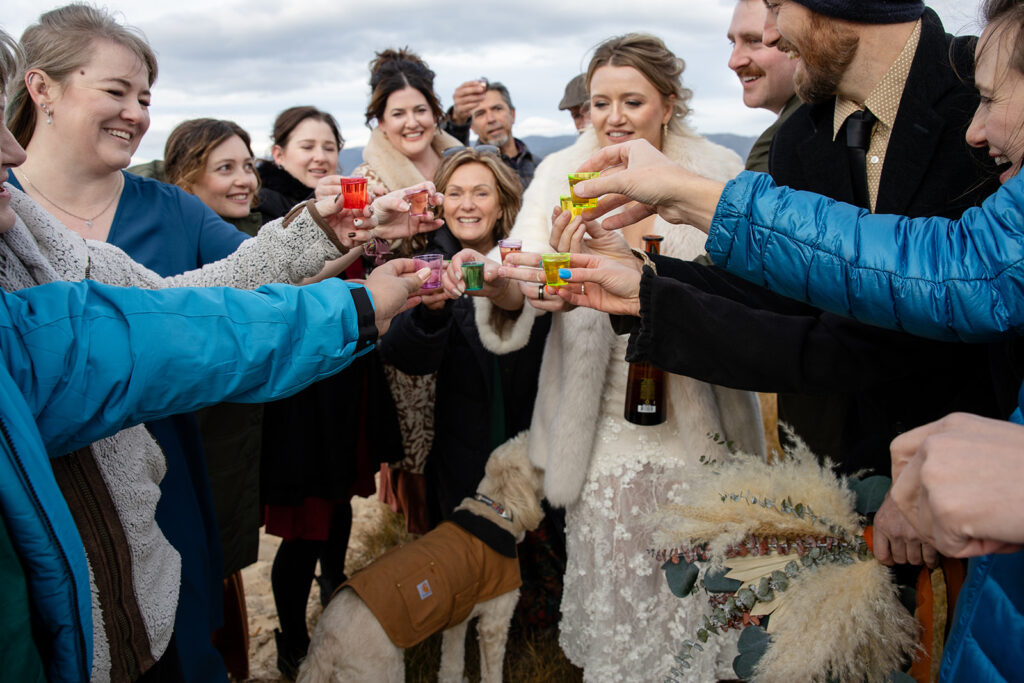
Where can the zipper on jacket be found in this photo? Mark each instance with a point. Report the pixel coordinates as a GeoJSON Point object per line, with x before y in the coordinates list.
{"type": "Point", "coordinates": [120, 640]}
{"type": "Point", "coordinates": [83, 666]}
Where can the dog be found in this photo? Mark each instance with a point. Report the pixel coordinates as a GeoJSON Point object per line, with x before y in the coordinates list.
{"type": "Point", "coordinates": [465, 568]}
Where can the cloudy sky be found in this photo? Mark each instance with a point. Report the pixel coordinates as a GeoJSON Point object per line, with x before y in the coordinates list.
{"type": "Point", "coordinates": [248, 60]}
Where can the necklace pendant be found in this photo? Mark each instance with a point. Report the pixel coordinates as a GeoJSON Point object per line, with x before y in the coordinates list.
{"type": "Point", "coordinates": [88, 224]}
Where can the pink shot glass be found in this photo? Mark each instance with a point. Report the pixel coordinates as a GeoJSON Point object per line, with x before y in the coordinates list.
{"type": "Point", "coordinates": [354, 191]}
{"type": "Point", "coordinates": [418, 202]}
{"type": "Point", "coordinates": [506, 247]}
{"type": "Point", "coordinates": [433, 261]}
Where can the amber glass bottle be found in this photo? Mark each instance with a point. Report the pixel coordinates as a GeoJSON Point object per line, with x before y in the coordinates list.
{"type": "Point", "coordinates": [645, 386]}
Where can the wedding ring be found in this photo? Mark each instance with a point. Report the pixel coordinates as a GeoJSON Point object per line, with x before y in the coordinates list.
{"type": "Point", "coordinates": [540, 292]}
{"type": "Point", "coordinates": [583, 288]}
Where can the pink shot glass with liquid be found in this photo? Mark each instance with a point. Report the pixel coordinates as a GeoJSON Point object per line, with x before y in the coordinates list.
{"type": "Point", "coordinates": [433, 261]}
{"type": "Point", "coordinates": [506, 247]}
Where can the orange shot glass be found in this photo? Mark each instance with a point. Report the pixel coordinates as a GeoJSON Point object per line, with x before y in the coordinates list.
{"type": "Point", "coordinates": [354, 191]}
{"type": "Point", "coordinates": [418, 201]}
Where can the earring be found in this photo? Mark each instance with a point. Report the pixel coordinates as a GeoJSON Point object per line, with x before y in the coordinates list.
{"type": "Point", "coordinates": [49, 116]}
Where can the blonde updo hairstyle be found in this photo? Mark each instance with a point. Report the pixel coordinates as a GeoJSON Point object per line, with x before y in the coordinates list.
{"type": "Point", "coordinates": [59, 43]}
{"type": "Point", "coordinates": [648, 55]}
{"type": "Point", "coordinates": [507, 183]}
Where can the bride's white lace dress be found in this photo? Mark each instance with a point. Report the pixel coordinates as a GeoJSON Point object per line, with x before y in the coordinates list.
{"type": "Point", "coordinates": [620, 621]}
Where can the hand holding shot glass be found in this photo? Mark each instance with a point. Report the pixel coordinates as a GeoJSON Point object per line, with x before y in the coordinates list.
{"type": "Point", "coordinates": [472, 273]}
{"type": "Point", "coordinates": [394, 216]}
{"type": "Point", "coordinates": [435, 262]}
{"type": "Point", "coordinates": [539, 278]}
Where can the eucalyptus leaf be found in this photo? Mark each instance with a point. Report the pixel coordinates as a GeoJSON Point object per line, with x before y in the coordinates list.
{"type": "Point", "coordinates": [681, 577]}
{"type": "Point", "coordinates": [716, 582]}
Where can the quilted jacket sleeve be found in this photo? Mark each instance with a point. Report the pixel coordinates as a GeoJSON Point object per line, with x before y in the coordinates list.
{"type": "Point", "coordinates": [92, 359]}
{"type": "Point", "coordinates": [931, 277]}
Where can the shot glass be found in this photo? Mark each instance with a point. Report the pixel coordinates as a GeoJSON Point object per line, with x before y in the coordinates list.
{"type": "Point", "coordinates": [506, 247]}
{"type": "Point", "coordinates": [568, 205]}
{"type": "Point", "coordinates": [433, 261]}
{"type": "Point", "coordinates": [473, 275]}
{"type": "Point", "coordinates": [551, 264]}
{"type": "Point", "coordinates": [418, 201]}
{"type": "Point", "coordinates": [354, 191]}
{"type": "Point", "coordinates": [577, 177]}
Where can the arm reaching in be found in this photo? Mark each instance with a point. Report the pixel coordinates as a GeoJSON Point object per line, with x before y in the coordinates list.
{"type": "Point", "coordinates": [642, 180]}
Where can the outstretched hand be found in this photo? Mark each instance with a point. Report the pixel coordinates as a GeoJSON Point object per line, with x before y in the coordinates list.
{"type": "Point", "coordinates": [602, 283]}
{"type": "Point", "coordinates": [572, 234]}
{"type": "Point", "coordinates": [389, 215]}
{"type": "Point", "coordinates": [642, 180]}
{"type": "Point", "coordinates": [395, 287]}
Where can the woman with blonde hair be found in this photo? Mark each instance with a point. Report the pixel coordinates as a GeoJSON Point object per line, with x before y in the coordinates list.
{"type": "Point", "coordinates": [619, 620]}
{"type": "Point", "coordinates": [482, 197]}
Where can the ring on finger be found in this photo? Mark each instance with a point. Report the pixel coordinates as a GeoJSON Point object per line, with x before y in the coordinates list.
{"type": "Point", "coordinates": [540, 292]}
{"type": "Point", "coordinates": [583, 288]}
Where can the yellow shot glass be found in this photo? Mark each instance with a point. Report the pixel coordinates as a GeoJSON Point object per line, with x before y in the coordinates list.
{"type": "Point", "coordinates": [551, 264]}
{"type": "Point", "coordinates": [575, 178]}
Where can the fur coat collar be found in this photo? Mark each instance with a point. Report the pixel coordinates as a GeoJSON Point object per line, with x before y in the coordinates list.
{"type": "Point", "coordinates": [579, 346]}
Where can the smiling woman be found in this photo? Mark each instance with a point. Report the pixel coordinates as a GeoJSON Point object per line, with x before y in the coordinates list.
{"type": "Point", "coordinates": [306, 146]}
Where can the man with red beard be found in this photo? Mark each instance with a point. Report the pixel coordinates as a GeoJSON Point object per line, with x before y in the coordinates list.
{"type": "Point", "coordinates": [766, 74]}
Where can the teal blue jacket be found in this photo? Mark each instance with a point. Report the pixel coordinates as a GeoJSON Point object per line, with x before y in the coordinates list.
{"type": "Point", "coordinates": [933, 277]}
{"type": "Point", "coordinates": [82, 361]}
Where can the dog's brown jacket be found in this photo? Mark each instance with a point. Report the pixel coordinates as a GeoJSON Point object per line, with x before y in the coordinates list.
{"type": "Point", "coordinates": [433, 583]}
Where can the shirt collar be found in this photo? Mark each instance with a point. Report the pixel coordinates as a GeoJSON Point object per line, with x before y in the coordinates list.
{"type": "Point", "coordinates": [884, 100]}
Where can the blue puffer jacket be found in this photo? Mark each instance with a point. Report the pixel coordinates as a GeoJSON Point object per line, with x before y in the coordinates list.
{"type": "Point", "coordinates": [932, 277]}
{"type": "Point", "coordinates": [83, 360]}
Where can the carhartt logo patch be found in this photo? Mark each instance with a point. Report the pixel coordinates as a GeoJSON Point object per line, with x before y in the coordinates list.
{"type": "Point", "coordinates": [424, 590]}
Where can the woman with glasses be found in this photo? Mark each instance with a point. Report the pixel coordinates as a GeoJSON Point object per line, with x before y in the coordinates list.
{"type": "Point", "coordinates": [619, 621]}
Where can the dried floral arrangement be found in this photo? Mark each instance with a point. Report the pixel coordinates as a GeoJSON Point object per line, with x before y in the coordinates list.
{"type": "Point", "coordinates": [788, 562]}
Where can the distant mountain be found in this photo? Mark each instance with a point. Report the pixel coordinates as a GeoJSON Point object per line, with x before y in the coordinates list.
{"type": "Point", "coordinates": [543, 146]}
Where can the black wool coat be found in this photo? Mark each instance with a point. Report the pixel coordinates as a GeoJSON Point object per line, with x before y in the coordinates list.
{"type": "Point", "coordinates": [421, 341]}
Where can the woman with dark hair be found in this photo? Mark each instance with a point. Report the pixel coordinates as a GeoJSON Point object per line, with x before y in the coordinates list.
{"type": "Point", "coordinates": [406, 144]}
{"type": "Point", "coordinates": [308, 474]}
{"type": "Point", "coordinates": [307, 142]}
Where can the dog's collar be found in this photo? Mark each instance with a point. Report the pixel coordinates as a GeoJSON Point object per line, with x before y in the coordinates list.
{"type": "Point", "coordinates": [494, 505]}
{"type": "Point", "coordinates": [493, 536]}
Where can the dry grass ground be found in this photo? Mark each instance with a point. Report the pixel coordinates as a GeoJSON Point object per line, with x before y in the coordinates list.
{"type": "Point", "coordinates": [531, 656]}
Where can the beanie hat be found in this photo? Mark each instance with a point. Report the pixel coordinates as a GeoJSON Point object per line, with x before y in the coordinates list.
{"type": "Point", "coordinates": [868, 11]}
